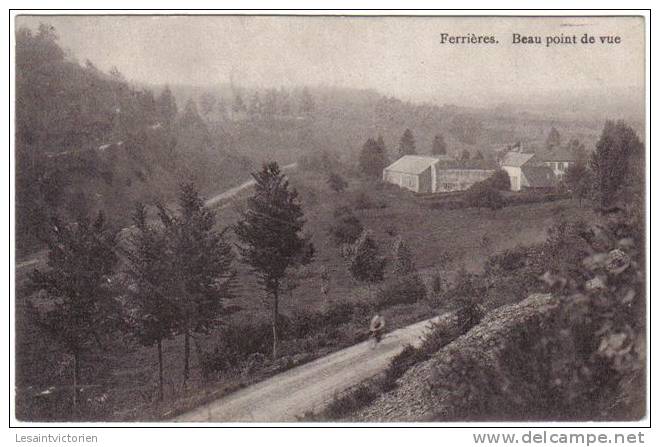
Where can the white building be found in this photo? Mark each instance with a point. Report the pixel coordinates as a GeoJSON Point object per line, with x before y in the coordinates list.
{"type": "Point", "coordinates": [425, 174]}
{"type": "Point", "coordinates": [512, 163]}
{"type": "Point", "coordinates": [525, 173]}
{"type": "Point", "coordinates": [559, 161]}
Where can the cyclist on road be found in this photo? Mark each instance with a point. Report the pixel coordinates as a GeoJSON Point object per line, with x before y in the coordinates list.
{"type": "Point", "coordinates": [377, 327]}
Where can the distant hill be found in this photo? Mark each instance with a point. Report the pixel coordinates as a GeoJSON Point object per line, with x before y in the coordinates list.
{"type": "Point", "coordinates": [88, 141]}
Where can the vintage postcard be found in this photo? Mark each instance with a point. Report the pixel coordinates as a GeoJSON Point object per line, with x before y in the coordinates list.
{"type": "Point", "coordinates": [329, 218]}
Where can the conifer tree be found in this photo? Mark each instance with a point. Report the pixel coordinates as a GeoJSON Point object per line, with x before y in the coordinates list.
{"type": "Point", "coordinates": [366, 264]}
{"type": "Point", "coordinates": [439, 146]}
{"type": "Point", "coordinates": [270, 235]}
{"type": "Point", "coordinates": [151, 268]}
{"type": "Point", "coordinates": [617, 144]}
{"type": "Point", "coordinates": [166, 107]}
{"type": "Point", "coordinates": [202, 276]}
{"type": "Point", "coordinates": [372, 159]}
{"type": "Point", "coordinates": [77, 285]}
{"type": "Point", "coordinates": [403, 258]}
{"type": "Point", "coordinates": [407, 144]}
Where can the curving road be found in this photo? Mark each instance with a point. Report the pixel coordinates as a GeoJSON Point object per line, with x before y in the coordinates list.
{"type": "Point", "coordinates": [228, 194]}
{"type": "Point", "coordinates": [310, 387]}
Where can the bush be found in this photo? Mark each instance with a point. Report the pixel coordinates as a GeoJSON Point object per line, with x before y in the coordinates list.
{"type": "Point", "coordinates": [578, 354]}
{"type": "Point", "coordinates": [364, 202]}
{"type": "Point", "coordinates": [529, 197]}
{"type": "Point", "coordinates": [399, 365]}
{"type": "Point", "coordinates": [448, 204]}
{"type": "Point", "coordinates": [391, 230]}
{"type": "Point", "coordinates": [408, 289]}
{"type": "Point", "coordinates": [337, 182]}
{"type": "Point", "coordinates": [235, 343]}
{"type": "Point", "coordinates": [347, 227]}
{"type": "Point", "coordinates": [483, 195]}
{"type": "Point", "coordinates": [500, 180]}
{"type": "Point", "coordinates": [438, 283]}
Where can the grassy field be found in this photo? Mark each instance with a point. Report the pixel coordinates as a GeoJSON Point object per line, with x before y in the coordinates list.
{"type": "Point", "coordinates": [126, 373]}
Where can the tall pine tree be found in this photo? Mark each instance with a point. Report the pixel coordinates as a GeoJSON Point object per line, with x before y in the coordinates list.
{"type": "Point", "coordinates": [151, 268]}
{"type": "Point", "coordinates": [202, 275]}
{"type": "Point", "coordinates": [617, 144]}
{"type": "Point", "coordinates": [270, 235]}
{"type": "Point", "coordinates": [372, 159]}
{"type": "Point", "coordinates": [82, 308]}
{"type": "Point", "coordinates": [439, 146]}
{"type": "Point", "coordinates": [407, 144]}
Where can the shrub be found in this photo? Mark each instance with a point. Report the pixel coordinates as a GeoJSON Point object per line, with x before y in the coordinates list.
{"type": "Point", "coordinates": [437, 337]}
{"type": "Point", "coordinates": [391, 230]}
{"type": "Point", "coordinates": [337, 182]}
{"type": "Point", "coordinates": [446, 204]}
{"type": "Point", "coordinates": [364, 202]}
{"type": "Point", "coordinates": [347, 227]}
{"type": "Point", "coordinates": [399, 365]}
{"type": "Point", "coordinates": [405, 290]}
{"type": "Point", "coordinates": [578, 356]}
{"type": "Point", "coordinates": [438, 283]}
{"type": "Point", "coordinates": [500, 180]}
{"type": "Point", "coordinates": [465, 297]}
{"type": "Point", "coordinates": [483, 195]}
{"type": "Point", "coordinates": [525, 198]}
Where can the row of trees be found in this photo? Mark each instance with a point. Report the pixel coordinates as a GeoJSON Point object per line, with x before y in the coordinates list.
{"type": "Point", "coordinates": [608, 169]}
{"type": "Point", "coordinates": [267, 104]}
{"type": "Point", "coordinates": [373, 155]}
{"type": "Point", "coordinates": [173, 277]}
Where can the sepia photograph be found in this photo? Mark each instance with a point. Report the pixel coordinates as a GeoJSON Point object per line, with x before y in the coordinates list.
{"type": "Point", "coordinates": [331, 218]}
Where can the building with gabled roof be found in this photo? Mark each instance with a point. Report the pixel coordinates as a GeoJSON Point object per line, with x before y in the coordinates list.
{"type": "Point", "coordinates": [426, 174]}
{"type": "Point", "coordinates": [559, 160]}
{"type": "Point", "coordinates": [525, 171]}
{"type": "Point", "coordinates": [512, 163]}
{"type": "Point", "coordinates": [516, 159]}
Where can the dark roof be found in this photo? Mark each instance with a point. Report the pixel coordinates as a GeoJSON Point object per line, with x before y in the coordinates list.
{"type": "Point", "coordinates": [559, 154]}
{"type": "Point", "coordinates": [539, 176]}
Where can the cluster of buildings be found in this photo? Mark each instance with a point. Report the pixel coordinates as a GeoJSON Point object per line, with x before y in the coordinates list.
{"type": "Point", "coordinates": [430, 174]}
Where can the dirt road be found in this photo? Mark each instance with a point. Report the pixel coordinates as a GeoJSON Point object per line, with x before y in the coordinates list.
{"type": "Point", "coordinates": [228, 194]}
{"type": "Point", "coordinates": [308, 387]}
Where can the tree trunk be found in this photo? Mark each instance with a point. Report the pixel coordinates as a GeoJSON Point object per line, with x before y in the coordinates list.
{"type": "Point", "coordinates": [275, 323]}
{"type": "Point", "coordinates": [186, 356]}
{"type": "Point", "coordinates": [160, 369]}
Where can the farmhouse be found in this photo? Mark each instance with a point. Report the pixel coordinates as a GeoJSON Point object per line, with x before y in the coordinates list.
{"type": "Point", "coordinates": [441, 173]}
{"type": "Point", "coordinates": [526, 173]}
{"type": "Point", "coordinates": [559, 161]}
{"type": "Point", "coordinates": [512, 163]}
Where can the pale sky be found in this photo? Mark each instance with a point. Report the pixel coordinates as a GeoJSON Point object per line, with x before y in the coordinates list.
{"type": "Point", "coordinates": [398, 56]}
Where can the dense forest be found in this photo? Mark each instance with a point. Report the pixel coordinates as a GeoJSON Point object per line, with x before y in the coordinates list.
{"type": "Point", "coordinates": [88, 141]}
